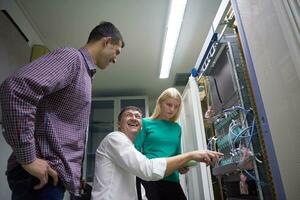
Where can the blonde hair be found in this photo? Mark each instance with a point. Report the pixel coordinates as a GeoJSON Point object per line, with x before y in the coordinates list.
{"type": "Point", "coordinates": [168, 93]}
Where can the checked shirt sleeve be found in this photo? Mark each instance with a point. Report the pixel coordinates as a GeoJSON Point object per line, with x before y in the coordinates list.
{"type": "Point", "coordinates": [21, 93]}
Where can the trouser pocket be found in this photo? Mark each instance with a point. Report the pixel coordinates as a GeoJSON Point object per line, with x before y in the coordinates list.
{"type": "Point", "coordinates": [20, 182]}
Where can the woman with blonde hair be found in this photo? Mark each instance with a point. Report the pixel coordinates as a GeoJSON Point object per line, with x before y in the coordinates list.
{"type": "Point", "coordinates": [161, 137]}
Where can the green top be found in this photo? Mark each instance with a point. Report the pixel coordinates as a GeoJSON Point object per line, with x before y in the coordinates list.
{"type": "Point", "coordinates": [160, 138]}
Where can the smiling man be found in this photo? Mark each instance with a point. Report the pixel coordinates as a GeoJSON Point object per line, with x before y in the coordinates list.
{"type": "Point", "coordinates": [118, 162]}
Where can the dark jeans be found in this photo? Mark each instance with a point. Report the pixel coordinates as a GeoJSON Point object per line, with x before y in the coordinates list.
{"type": "Point", "coordinates": [21, 184]}
{"type": "Point", "coordinates": [163, 190]}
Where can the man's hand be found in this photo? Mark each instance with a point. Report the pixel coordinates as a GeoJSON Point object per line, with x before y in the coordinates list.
{"type": "Point", "coordinates": [179, 161]}
{"type": "Point", "coordinates": [206, 156]}
{"type": "Point", "coordinates": [40, 169]}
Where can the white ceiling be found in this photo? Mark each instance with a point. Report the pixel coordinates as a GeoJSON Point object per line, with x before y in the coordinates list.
{"type": "Point", "coordinates": [142, 23]}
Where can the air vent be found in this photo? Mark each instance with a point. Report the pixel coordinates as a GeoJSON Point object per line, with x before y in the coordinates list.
{"type": "Point", "coordinates": [181, 79]}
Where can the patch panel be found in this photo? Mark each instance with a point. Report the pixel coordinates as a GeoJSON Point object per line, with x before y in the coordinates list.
{"type": "Point", "coordinates": [220, 123]}
{"type": "Point", "coordinates": [240, 159]}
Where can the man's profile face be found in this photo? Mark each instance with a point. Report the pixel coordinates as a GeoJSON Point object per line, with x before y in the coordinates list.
{"type": "Point", "coordinates": [131, 122]}
{"type": "Point", "coordinates": [109, 53]}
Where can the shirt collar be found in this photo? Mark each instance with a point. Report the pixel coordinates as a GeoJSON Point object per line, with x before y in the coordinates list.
{"type": "Point", "coordinates": [89, 61]}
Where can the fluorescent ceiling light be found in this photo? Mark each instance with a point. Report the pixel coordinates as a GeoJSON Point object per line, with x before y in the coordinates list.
{"type": "Point", "coordinates": [175, 18]}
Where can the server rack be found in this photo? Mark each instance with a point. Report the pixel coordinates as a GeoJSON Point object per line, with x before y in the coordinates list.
{"type": "Point", "coordinates": [221, 113]}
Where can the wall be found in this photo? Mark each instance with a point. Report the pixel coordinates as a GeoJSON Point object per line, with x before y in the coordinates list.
{"type": "Point", "coordinates": [5, 151]}
{"type": "Point", "coordinates": [12, 7]}
{"type": "Point", "coordinates": [278, 80]}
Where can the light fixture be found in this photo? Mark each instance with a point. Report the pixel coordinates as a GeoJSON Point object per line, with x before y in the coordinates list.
{"type": "Point", "coordinates": [176, 13]}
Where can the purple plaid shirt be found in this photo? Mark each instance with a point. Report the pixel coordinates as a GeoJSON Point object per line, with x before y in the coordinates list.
{"type": "Point", "coordinates": [45, 108]}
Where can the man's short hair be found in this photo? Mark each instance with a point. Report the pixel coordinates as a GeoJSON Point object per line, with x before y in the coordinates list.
{"type": "Point", "coordinates": [128, 108]}
{"type": "Point", "coordinates": [106, 29]}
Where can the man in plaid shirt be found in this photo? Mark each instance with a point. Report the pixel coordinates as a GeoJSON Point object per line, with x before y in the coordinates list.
{"type": "Point", "coordinates": [45, 108]}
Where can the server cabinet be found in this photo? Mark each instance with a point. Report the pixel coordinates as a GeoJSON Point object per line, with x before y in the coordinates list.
{"type": "Point", "coordinates": [220, 113]}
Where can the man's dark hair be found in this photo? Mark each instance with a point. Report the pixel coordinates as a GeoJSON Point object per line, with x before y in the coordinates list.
{"type": "Point", "coordinates": [128, 108]}
{"type": "Point", "coordinates": [106, 29]}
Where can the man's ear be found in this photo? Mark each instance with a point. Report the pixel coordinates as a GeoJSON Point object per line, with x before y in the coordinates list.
{"type": "Point", "coordinates": [107, 40]}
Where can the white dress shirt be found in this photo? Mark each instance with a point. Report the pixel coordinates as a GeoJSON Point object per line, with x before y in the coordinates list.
{"type": "Point", "coordinates": [117, 165]}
